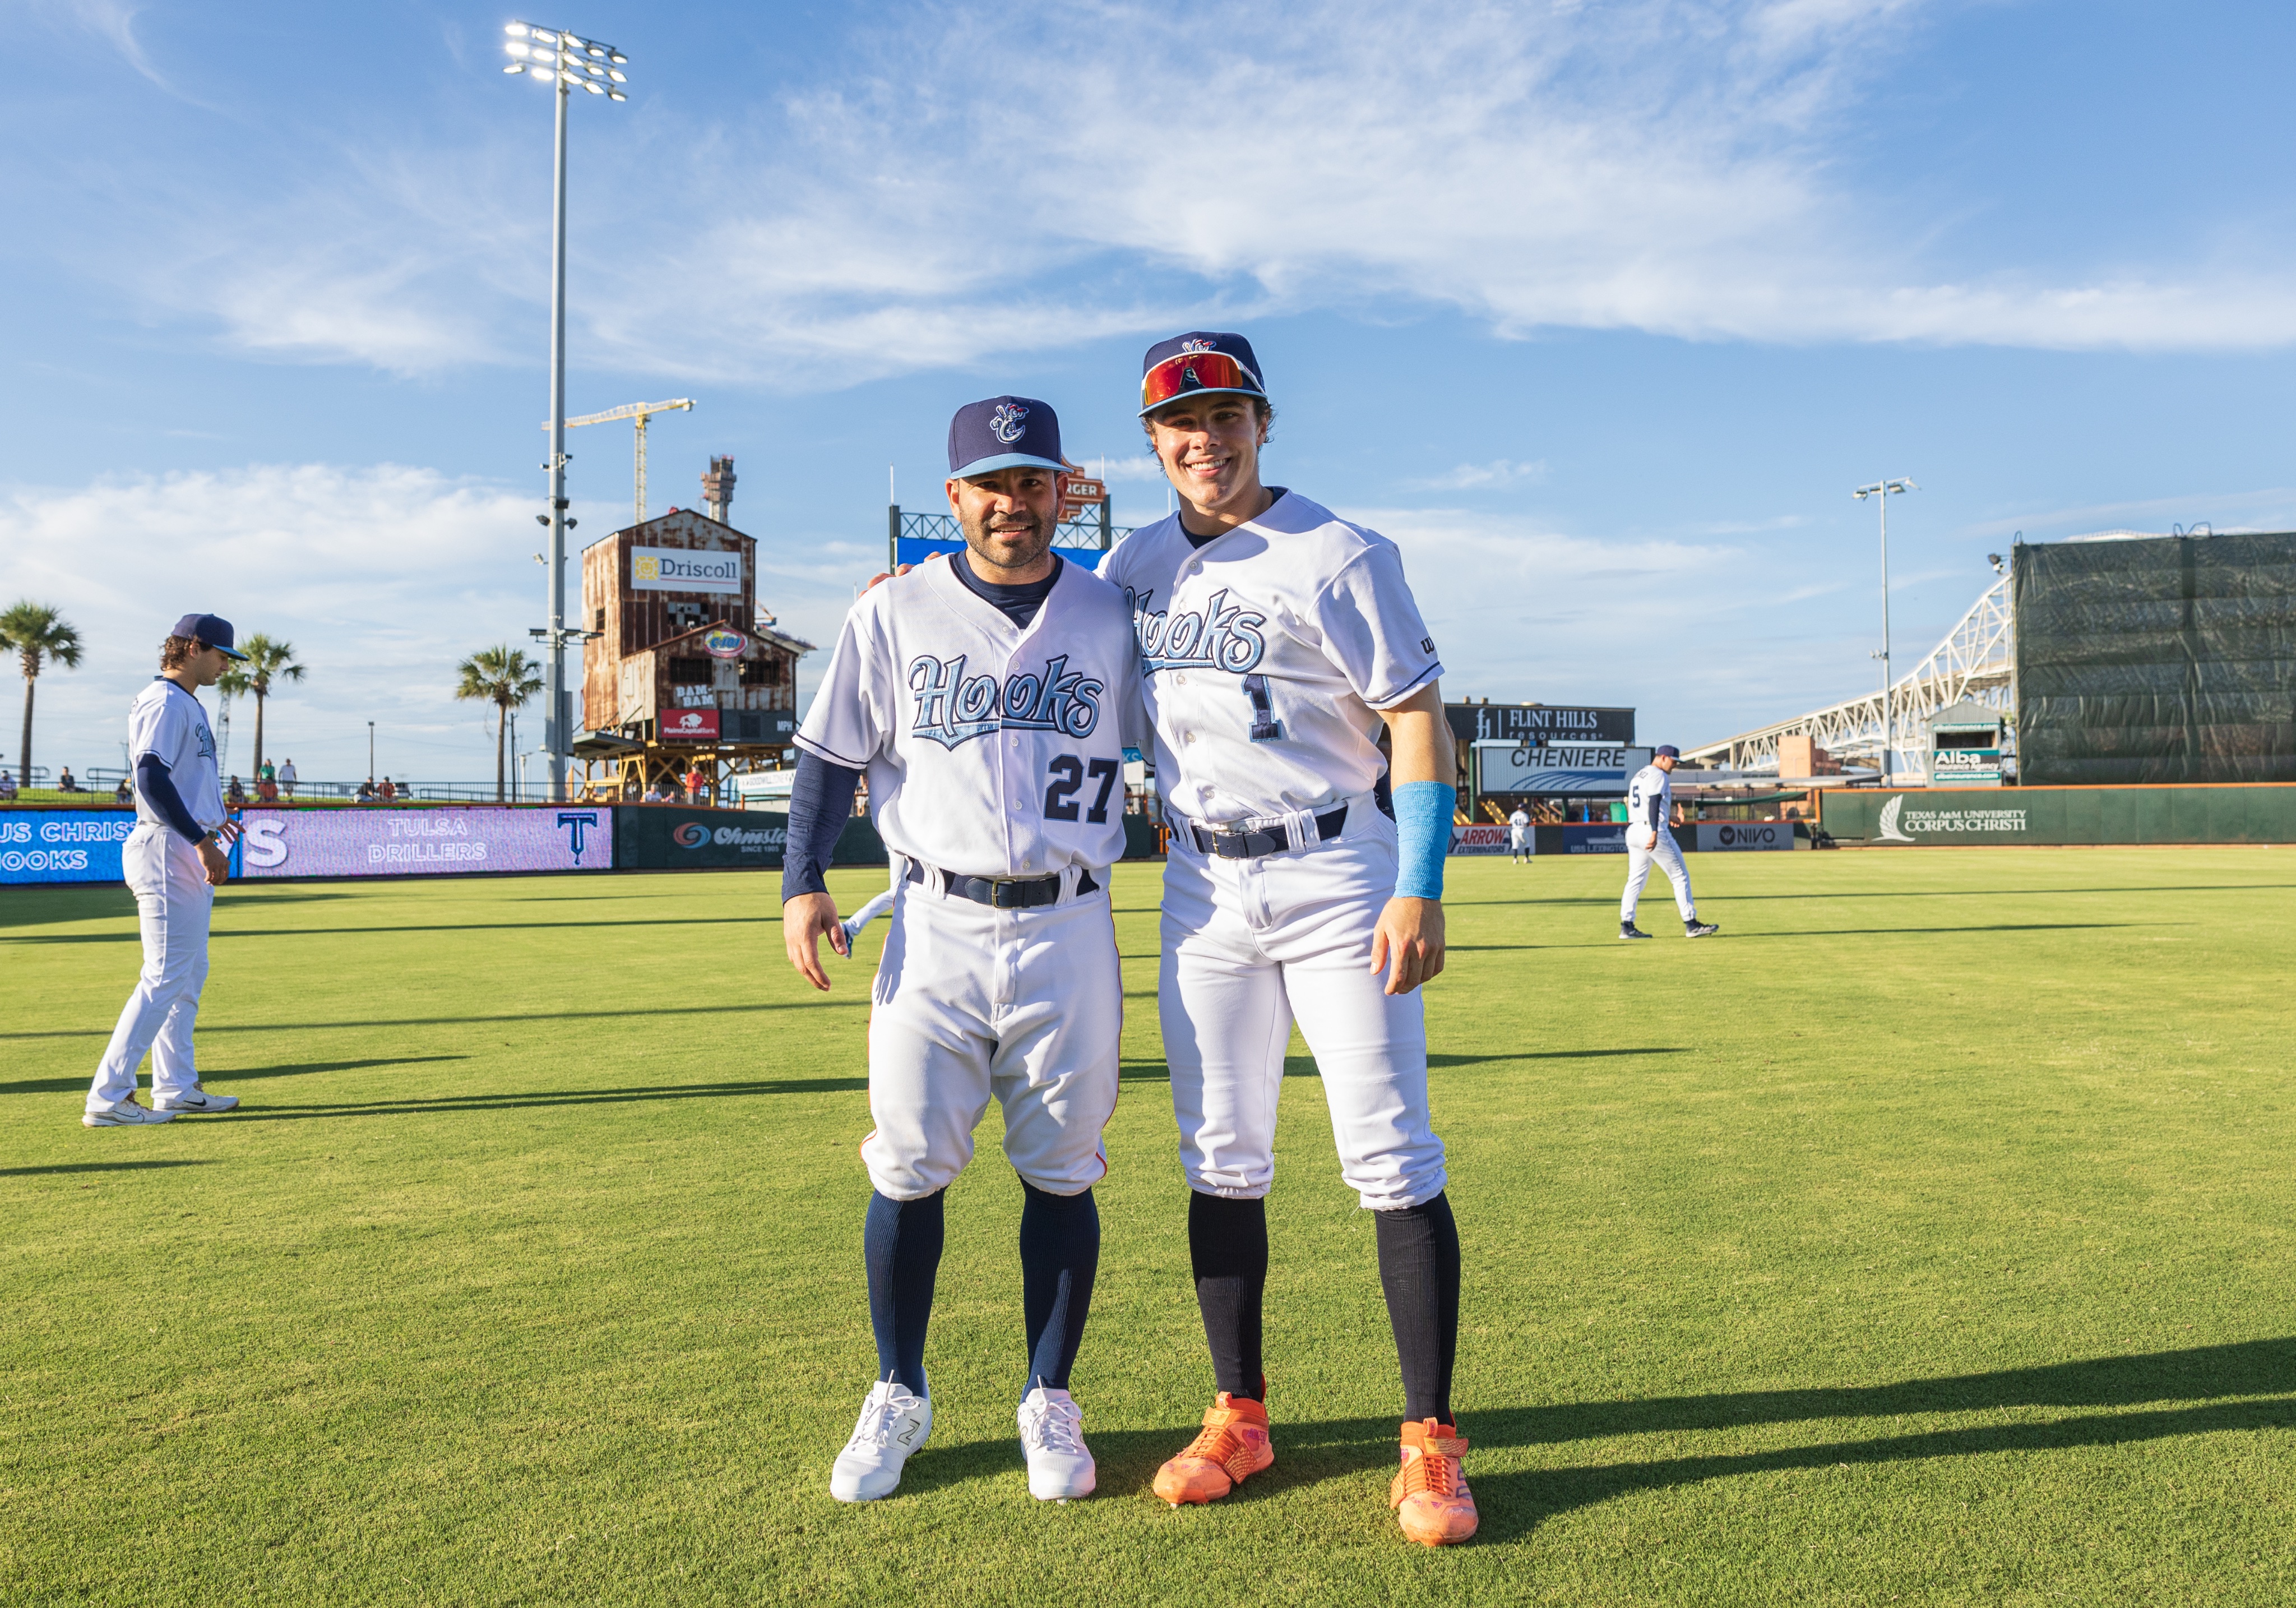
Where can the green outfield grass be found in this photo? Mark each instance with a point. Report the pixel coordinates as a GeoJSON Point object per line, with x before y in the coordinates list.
{"type": "Point", "coordinates": [1924, 1238]}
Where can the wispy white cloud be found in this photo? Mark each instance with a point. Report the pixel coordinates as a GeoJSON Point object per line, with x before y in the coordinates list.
{"type": "Point", "coordinates": [1657, 165]}
{"type": "Point", "coordinates": [1481, 477]}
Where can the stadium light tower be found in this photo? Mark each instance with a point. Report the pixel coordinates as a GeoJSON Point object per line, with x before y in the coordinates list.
{"type": "Point", "coordinates": [564, 62]}
{"type": "Point", "coordinates": [1882, 489]}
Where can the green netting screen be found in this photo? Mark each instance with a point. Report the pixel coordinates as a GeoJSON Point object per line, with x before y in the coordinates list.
{"type": "Point", "coordinates": [2161, 658]}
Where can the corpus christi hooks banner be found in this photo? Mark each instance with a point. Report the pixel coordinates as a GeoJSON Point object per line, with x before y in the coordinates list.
{"type": "Point", "coordinates": [62, 845]}
{"type": "Point", "coordinates": [356, 841]}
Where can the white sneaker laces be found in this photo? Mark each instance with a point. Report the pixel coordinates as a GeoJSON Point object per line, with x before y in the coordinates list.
{"type": "Point", "coordinates": [1054, 1425]}
{"type": "Point", "coordinates": [877, 1416]}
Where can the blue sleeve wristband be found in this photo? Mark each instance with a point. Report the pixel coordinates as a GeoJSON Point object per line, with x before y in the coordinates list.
{"type": "Point", "coordinates": [1422, 836]}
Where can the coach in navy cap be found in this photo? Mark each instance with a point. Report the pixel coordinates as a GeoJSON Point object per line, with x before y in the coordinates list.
{"type": "Point", "coordinates": [1004, 433]}
{"type": "Point", "coordinates": [210, 631]}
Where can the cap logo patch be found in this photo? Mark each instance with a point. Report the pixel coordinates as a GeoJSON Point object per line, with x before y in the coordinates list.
{"type": "Point", "coordinates": [1005, 423]}
{"type": "Point", "coordinates": [1197, 344]}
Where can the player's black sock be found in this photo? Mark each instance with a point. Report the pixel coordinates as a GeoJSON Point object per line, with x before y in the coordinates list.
{"type": "Point", "coordinates": [1060, 1252]}
{"type": "Point", "coordinates": [1419, 1269]}
{"type": "Point", "coordinates": [1227, 1244]}
{"type": "Point", "coordinates": [901, 1243]}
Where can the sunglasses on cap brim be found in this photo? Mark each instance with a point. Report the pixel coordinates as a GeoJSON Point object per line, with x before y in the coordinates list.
{"type": "Point", "coordinates": [1188, 373]}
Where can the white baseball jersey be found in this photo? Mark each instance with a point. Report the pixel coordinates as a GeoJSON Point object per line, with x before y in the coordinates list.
{"type": "Point", "coordinates": [1650, 801]}
{"type": "Point", "coordinates": [167, 721]}
{"type": "Point", "coordinates": [1518, 821]}
{"type": "Point", "coordinates": [1266, 652]}
{"type": "Point", "coordinates": [990, 751]}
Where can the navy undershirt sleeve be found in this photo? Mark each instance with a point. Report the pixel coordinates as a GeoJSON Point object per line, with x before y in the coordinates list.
{"type": "Point", "coordinates": [1657, 809]}
{"type": "Point", "coordinates": [158, 790]}
{"type": "Point", "coordinates": [821, 801]}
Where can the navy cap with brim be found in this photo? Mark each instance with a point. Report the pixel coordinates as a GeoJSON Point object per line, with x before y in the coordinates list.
{"type": "Point", "coordinates": [213, 630]}
{"type": "Point", "coordinates": [1009, 460]}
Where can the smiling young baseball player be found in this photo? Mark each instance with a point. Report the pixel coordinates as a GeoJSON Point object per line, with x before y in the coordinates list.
{"type": "Point", "coordinates": [1650, 840]}
{"type": "Point", "coordinates": [176, 858]}
{"type": "Point", "coordinates": [1277, 638]}
{"type": "Point", "coordinates": [988, 699]}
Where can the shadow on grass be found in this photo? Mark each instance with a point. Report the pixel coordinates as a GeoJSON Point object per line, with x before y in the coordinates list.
{"type": "Point", "coordinates": [34, 1172]}
{"type": "Point", "coordinates": [1824, 895]}
{"type": "Point", "coordinates": [208, 1029]}
{"type": "Point", "coordinates": [57, 1085]}
{"type": "Point", "coordinates": [1512, 1503]}
{"type": "Point", "coordinates": [1304, 1066]}
{"type": "Point", "coordinates": [454, 1105]}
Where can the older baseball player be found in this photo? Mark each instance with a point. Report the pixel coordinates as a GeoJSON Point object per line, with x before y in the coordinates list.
{"type": "Point", "coordinates": [987, 698]}
{"type": "Point", "coordinates": [174, 859]}
{"type": "Point", "coordinates": [1650, 839]}
{"type": "Point", "coordinates": [1277, 639]}
{"type": "Point", "coordinates": [1519, 835]}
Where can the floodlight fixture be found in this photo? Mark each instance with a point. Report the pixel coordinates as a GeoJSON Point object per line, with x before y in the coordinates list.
{"type": "Point", "coordinates": [1884, 490]}
{"type": "Point", "coordinates": [562, 60]}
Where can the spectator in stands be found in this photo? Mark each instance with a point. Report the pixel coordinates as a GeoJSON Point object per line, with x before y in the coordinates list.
{"type": "Point", "coordinates": [65, 784]}
{"type": "Point", "coordinates": [237, 797]}
{"type": "Point", "coordinates": [652, 793]}
{"type": "Point", "coordinates": [123, 793]}
{"type": "Point", "coordinates": [267, 772]}
{"type": "Point", "coordinates": [7, 786]}
{"type": "Point", "coordinates": [287, 779]}
{"type": "Point", "coordinates": [365, 794]}
{"type": "Point", "coordinates": [696, 784]}
{"type": "Point", "coordinates": [268, 789]}
{"type": "Point", "coordinates": [387, 791]}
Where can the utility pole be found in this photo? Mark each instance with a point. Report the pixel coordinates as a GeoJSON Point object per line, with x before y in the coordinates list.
{"type": "Point", "coordinates": [1883, 490]}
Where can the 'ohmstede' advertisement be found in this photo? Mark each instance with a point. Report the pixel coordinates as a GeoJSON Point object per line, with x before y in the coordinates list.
{"type": "Point", "coordinates": [425, 842]}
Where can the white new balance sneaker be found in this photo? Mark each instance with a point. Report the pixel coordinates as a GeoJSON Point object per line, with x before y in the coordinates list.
{"type": "Point", "coordinates": [194, 1099]}
{"type": "Point", "coordinates": [1052, 1434]}
{"type": "Point", "coordinates": [894, 1423]}
{"type": "Point", "coordinates": [125, 1114]}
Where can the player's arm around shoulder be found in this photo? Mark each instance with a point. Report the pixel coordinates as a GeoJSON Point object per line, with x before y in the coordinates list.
{"type": "Point", "coordinates": [1424, 769]}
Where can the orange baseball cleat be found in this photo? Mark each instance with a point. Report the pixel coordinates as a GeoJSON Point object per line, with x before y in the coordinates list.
{"type": "Point", "coordinates": [1430, 1494]}
{"type": "Point", "coordinates": [1231, 1447]}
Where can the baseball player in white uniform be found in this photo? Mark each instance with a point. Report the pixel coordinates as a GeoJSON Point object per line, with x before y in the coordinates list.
{"type": "Point", "coordinates": [1650, 840]}
{"type": "Point", "coordinates": [1519, 835]}
{"type": "Point", "coordinates": [987, 700]}
{"type": "Point", "coordinates": [176, 858]}
{"type": "Point", "coordinates": [1277, 638]}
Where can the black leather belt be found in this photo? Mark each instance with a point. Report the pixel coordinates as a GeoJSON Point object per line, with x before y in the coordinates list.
{"type": "Point", "coordinates": [998, 893]}
{"type": "Point", "coordinates": [1267, 840]}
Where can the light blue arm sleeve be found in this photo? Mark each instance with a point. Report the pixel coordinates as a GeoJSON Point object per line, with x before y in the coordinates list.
{"type": "Point", "coordinates": [1423, 835]}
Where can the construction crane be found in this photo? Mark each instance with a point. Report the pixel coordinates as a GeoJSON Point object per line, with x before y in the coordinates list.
{"type": "Point", "coordinates": [641, 412]}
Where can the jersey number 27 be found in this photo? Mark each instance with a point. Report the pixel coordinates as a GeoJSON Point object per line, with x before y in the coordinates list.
{"type": "Point", "coordinates": [1069, 774]}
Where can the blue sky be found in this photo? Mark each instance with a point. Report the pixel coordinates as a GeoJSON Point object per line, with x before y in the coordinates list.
{"type": "Point", "coordinates": [1599, 309]}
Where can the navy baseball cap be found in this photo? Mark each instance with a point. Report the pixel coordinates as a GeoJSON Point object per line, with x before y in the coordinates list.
{"type": "Point", "coordinates": [1666, 750]}
{"type": "Point", "coordinates": [1199, 361]}
{"type": "Point", "coordinates": [207, 628]}
{"type": "Point", "coordinates": [1004, 433]}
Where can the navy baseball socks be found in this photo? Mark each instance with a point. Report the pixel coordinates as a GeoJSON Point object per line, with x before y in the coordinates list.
{"type": "Point", "coordinates": [901, 1245]}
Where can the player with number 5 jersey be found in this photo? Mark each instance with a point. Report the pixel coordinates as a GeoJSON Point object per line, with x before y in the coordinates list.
{"type": "Point", "coordinates": [989, 699]}
{"type": "Point", "coordinates": [1304, 885]}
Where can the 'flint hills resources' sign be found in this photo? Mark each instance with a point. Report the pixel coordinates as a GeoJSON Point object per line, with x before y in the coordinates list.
{"type": "Point", "coordinates": [682, 569]}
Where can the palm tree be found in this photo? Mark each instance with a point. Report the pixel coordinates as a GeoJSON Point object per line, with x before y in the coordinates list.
{"type": "Point", "coordinates": [232, 683]}
{"type": "Point", "coordinates": [37, 632]}
{"type": "Point", "coordinates": [505, 678]}
{"type": "Point", "coordinates": [265, 660]}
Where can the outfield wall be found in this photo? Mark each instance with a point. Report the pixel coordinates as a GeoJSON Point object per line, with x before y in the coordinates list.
{"type": "Point", "coordinates": [2234, 813]}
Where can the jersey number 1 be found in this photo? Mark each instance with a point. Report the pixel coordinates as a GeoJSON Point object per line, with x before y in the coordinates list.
{"type": "Point", "coordinates": [1069, 774]}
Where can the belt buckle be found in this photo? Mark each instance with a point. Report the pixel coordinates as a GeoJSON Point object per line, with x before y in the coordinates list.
{"type": "Point", "coordinates": [997, 899]}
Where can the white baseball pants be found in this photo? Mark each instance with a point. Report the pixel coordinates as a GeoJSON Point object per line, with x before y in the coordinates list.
{"type": "Point", "coordinates": [968, 1001]}
{"type": "Point", "coordinates": [1249, 947]}
{"type": "Point", "coordinates": [1668, 856]}
{"type": "Point", "coordinates": [173, 903]}
{"type": "Point", "coordinates": [1518, 840]}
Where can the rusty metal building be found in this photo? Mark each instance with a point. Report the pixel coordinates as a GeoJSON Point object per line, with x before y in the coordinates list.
{"type": "Point", "coordinates": [688, 667]}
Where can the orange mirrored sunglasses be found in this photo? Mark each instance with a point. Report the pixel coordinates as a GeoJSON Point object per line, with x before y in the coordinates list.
{"type": "Point", "coordinates": [1185, 371]}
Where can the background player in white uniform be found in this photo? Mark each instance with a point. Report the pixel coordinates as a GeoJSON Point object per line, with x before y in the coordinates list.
{"type": "Point", "coordinates": [174, 859]}
{"type": "Point", "coordinates": [1519, 834]}
{"type": "Point", "coordinates": [987, 698]}
{"type": "Point", "coordinates": [1650, 840]}
{"type": "Point", "coordinates": [1277, 638]}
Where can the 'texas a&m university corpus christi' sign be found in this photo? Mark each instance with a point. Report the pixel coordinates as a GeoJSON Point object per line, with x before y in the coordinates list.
{"type": "Point", "coordinates": [683, 570]}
